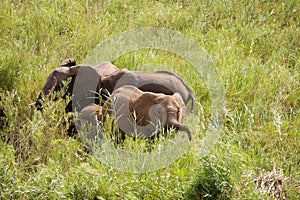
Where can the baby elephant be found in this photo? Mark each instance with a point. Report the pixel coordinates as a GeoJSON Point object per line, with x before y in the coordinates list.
{"type": "Point", "coordinates": [90, 125]}
{"type": "Point", "coordinates": [139, 113]}
{"type": "Point", "coordinates": [90, 120]}
{"type": "Point", "coordinates": [91, 114]}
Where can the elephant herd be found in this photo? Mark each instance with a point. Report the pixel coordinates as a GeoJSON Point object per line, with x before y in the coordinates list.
{"type": "Point", "coordinates": [142, 103]}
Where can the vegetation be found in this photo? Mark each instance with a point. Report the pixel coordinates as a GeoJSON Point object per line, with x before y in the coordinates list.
{"type": "Point", "coordinates": [255, 46]}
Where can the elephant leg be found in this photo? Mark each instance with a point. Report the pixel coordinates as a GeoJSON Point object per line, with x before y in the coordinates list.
{"type": "Point", "coordinates": [72, 131]}
{"type": "Point", "coordinates": [69, 108]}
{"type": "Point", "coordinates": [73, 125]}
{"type": "Point", "coordinates": [118, 137]}
{"type": "Point", "coordinates": [149, 145]}
{"type": "Point", "coordinates": [2, 116]}
{"type": "Point", "coordinates": [121, 138]}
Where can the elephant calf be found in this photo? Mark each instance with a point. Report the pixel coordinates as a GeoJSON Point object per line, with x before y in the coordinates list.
{"type": "Point", "coordinates": [148, 110]}
{"type": "Point", "coordinates": [90, 120]}
{"type": "Point", "coordinates": [91, 114]}
{"type": "Point", "coordinates": [89, 125]}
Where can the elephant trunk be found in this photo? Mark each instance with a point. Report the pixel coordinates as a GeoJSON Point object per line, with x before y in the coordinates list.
{"type": "Point", "coordinates": [192, 98]}
{"type": "Point", "coordinates": [177, 126]}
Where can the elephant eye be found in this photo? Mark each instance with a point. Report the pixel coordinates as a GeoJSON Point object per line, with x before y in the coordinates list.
{"type": "Point", "coordinates": [178, 111]}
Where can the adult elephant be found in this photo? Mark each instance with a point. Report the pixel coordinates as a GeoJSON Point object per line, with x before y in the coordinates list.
{"type": "Point", "coordinates": [149, 110]}
{"type": "Point", "coordinates": [158, 82]}
{"type": "Point", "coordinates": [87, 82]}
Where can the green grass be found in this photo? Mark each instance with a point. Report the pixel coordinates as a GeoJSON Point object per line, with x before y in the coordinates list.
{"type": "Point", "coordinates": [255, 46]}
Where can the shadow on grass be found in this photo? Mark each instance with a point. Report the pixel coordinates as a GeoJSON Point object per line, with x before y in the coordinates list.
{"type": "Point", "coordinates": [211, 182]}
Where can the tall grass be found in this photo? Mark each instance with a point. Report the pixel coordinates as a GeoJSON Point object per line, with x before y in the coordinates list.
{"type": "Point", "coordinates": [255, 46]}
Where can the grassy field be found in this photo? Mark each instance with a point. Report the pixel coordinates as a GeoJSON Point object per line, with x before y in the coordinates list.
{"type": "Point", "coordinates": [255, 46]}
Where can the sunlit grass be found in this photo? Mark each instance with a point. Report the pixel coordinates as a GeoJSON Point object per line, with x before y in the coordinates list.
{"type": "Point", "coordinates": [255, 46]}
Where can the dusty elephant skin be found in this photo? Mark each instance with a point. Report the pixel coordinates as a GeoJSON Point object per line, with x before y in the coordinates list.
{"type": "Point", "coordinates": [55, 80]}
{"type": "Point", "coordinates": [87, 85]}
{"type": "Point", "coordinates": [148, 109]}
{"type": "Point", "coordinates": [54, 83]}
{"type": "Point", "coordinates": [105, 68]}
{"type": "Point", "coordinates": [158, 82]}
{"type": "Point", "coordinates": [69, 70]}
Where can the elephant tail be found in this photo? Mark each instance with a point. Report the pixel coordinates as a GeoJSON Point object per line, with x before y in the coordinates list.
{"type": "Point", "coordinates": [68, 63]}
{"type": "Point", "coordinates": [192, 98]}
{"type": "Point", "coordinates": [180, 127]}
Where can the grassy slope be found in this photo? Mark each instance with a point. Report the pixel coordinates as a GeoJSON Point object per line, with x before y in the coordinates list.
{"type": "Point", "coordinates": [256, 49]}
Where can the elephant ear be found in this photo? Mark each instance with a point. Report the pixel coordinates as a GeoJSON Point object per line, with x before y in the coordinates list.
{"type": "Point", "coordinates": [74, 70]}
{"type": "Point", "coordinates": [182, 111]}
{"type": "Point", "coordinates": [141, 106]}
{"type": "Point", "coordinates": [179, 97]}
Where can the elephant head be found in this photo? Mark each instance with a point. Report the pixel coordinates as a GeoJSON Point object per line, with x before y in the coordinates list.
{"type": "Point", "coordinates": [55, 82]}
{"type": "Point", "coordinates": [149, 109]}
{"type": "Point", "coordinates": [85, 82]}
{"type": "Point", "coordinates": [158, 82]}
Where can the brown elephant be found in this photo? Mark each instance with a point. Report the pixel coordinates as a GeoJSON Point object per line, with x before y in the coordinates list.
{"type": "Point", "coordinates": [148, 110]}
{"type": "Point", "coordinates": [158, 82]}
{"type": "Point", "coordinates": [85, 84]}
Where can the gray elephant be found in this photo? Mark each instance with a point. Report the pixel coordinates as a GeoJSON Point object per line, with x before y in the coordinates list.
{"type": "Point", "coordinates": [85, 84]}
{"type": "Point", "coordinates": [139, 113]}
{"type": "Point", "coordinates": [158, 82]}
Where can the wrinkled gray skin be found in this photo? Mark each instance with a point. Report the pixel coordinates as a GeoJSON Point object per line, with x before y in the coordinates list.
{"type": "Point", "coordinates": [158, 82]}
{"type": "Point", "coordinates": [148, 109]}
{"type": "Point", "coordinates": [68, 70]}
